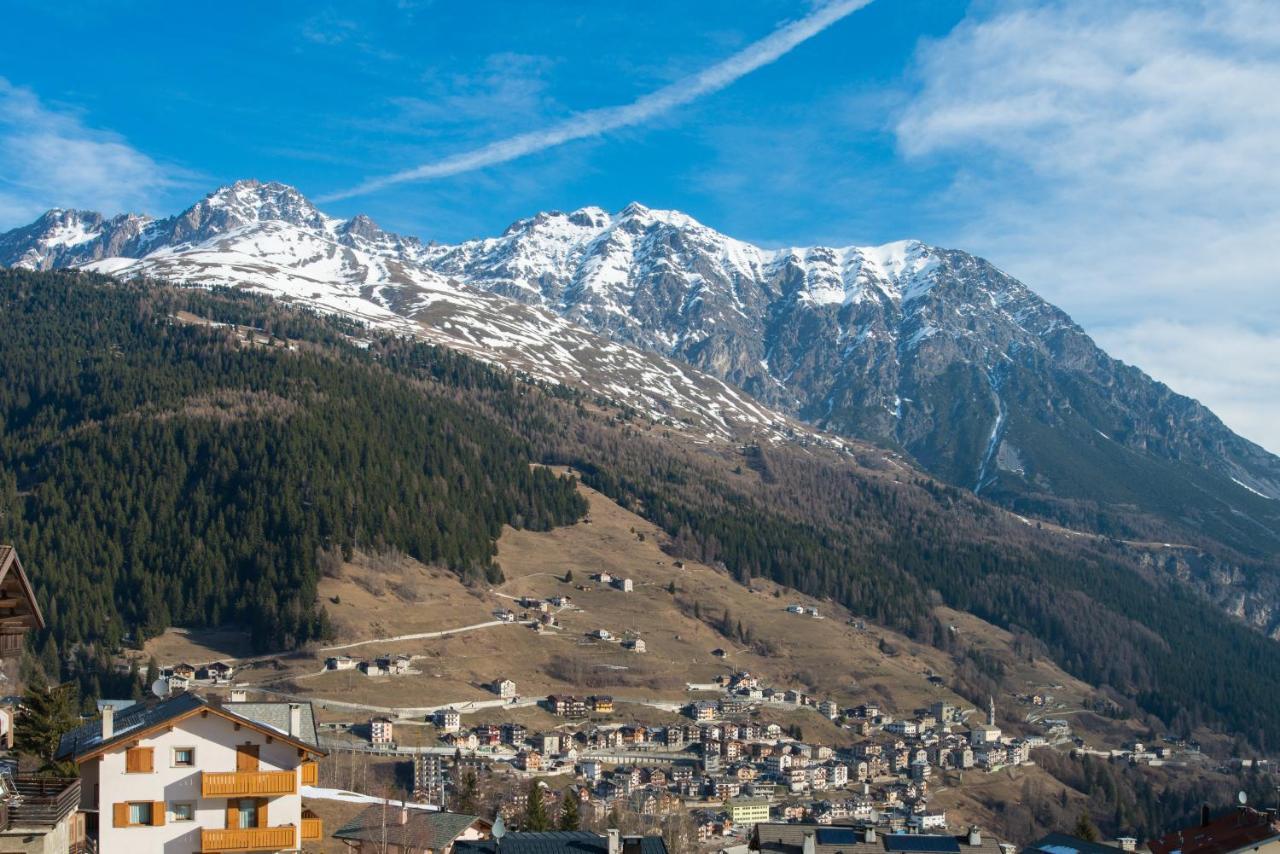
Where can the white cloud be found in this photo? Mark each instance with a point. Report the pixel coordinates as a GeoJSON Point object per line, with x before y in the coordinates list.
{"type": "Point", "coordinates": [1232, 369]}
{"type": "Point", "coordinates": [595, 122]}
{"type": "Point", "coordinates": [1124, 160]}
{"type": "Point", "coordinates": [50, 158]}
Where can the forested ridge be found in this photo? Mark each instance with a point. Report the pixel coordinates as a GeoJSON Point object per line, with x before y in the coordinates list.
{"type": "Point", "coordinates": [157, 472]}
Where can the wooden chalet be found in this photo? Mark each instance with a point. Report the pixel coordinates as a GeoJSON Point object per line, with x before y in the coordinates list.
{"type": "Point", "coordinates": [19, 611]}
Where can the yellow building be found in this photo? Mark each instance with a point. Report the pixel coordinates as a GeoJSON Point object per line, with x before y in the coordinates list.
{"type": "Point", "coordinates": [748, 810]}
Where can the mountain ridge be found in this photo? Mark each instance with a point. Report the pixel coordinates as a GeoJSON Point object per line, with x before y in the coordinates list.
{"type": "Point", "coordinates": [930, 351]}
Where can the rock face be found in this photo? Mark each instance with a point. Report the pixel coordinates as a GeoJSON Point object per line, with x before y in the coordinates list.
{"type": "Point", "coordinates": [928, 350]}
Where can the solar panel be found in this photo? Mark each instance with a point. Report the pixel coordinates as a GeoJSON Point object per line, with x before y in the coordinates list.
{"type": "Point", "coordinates": [837, 836]}
{"type": "Point", "coordinates": [907, 842]}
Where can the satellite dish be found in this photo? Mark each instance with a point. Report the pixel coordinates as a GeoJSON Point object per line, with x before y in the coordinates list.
{"type": "Point", "coordinates": [1242, 798]}
{"type": "Point", "coordinates": [160, 688]}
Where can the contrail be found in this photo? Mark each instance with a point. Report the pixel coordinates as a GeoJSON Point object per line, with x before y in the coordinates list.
{"type": "Point", "coordinates": [595, 122]}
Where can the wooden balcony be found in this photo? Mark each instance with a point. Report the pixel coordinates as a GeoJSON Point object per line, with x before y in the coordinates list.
{"type": "Point", "coordinates": [250, 839]}
{"type": "Point", "coordinates": [312, 827]}
{"type": "Point", "coordinates": [247, 784]}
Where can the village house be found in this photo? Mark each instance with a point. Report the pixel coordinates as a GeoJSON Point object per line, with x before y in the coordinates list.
{"type": "Point", "coordinates": [340, 662]}
{"type": "Point", "coordinates": [634, 644]}
{"type": "Point", "coordinates": [448, 720]}
{"type": "Point", "coordinates": [600, 704]}
{"type": "Point", "coordinates": [218, 672]}
{"type": "Point", "coordinates": [567, 705]}
{"type": "Point", "coordinates": [623, 584]}
{"type": "Point", "coordinates": [381, 730]}
{"type": "Point", "coordinates": [183, 775]}
{"type": "Point", "coordinates": [504, 688]}
{"type": "Point", "coordinates": [405, 829]}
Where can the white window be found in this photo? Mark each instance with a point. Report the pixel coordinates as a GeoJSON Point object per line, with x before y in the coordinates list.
{"type": "Point", "coordinates": [184, 757]}
{"type": "Point", "coordinates": [183, 811]}
{"type": "Point", "coordinates": [140, 813]}
{"type": "Point", "coordinates": [248, 813]}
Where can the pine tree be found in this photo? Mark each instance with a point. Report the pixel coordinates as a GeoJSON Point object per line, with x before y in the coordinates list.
{"type": "Point", "coordinates": [1084, 828]}
{"type": "Point", "coordinates": [465, 800]}
{"type": "Point", "coordinates": [46, 714]}
{"type": "Point", "coordinates": [570, 819]}
{"type": "Point", "coordinates": [535, 813]}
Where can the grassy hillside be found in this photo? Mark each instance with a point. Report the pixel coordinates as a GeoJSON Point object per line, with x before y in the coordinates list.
{"type": "Point", "coordinates": [170, 472]}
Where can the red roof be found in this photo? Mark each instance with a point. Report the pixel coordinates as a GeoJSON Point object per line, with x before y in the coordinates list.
{"type": "Point", "coordinates": [1237, 830]}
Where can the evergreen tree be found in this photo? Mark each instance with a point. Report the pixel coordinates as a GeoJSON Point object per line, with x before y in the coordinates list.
{"type": "Point", "coordinates": [570, 818]}
{"type": "Point", "coordinates": [46, 714]}
{"type": "Point", "coordinates": [464, 801]}
{"type": "Point", "coordinates": [1084, 828]}
{"type": "Point", "coordinates": [535, 812]}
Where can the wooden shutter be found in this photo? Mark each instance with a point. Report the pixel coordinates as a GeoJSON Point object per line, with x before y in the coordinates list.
{"type": "Point", "coordinates": [262, 813]}
{"type": "Point", "coordinates": [233, 814]}
{"type": "Point", "coordinates": [139, 760]}
{"type": "Point", "coordinates": [247, 757]}
{"type": "Point", "coordinates": [157, 814]}
{"type": "Point", "coordinates": [310, 774]}
{"type": "Point", "coordinates": [120, 815]}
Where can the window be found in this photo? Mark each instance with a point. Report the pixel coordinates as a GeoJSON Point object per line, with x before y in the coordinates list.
{"type": "Point", "coordinates": [184, 757]}
{"type": "Point", "coordinates": [183, 812]}
{"type": "Point", "coordinates": [139, 760]}
{"type": "Point", "coordinates": [248, 813]}
{"type": "Point", "coordinates": [140, 813]}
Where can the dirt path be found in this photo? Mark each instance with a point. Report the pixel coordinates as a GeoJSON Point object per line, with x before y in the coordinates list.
{"type": "Point", "coordinates": [419, 636]}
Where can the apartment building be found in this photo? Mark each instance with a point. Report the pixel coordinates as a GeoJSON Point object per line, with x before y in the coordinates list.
{"type": "Point", "coordinates": [185, 775]}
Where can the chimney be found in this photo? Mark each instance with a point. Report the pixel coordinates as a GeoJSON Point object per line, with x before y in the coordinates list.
{"type": "Point", "coordinates": [631, 844]}
{"type": "Point", "coordinates": [869, 834]}
{"type": "Point", "coordinates": [295, 720]}
{"type": "Point", "coordinates": [1204, 815]}
{"type": "Point", "coordinates": [239, 695]}
{"type": "Point", "coordinates": [615, 841]}
{"type": "Point", "coordinates": [108, 722]}
{"type": "Point", "coordinates": [404, 813]}
{"type": "Point", "coordinates": [975, 836]}
{"type": "Point", "coordinates": [810, 844]}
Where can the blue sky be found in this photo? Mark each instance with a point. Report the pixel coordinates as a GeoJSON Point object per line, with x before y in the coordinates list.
{"type": "Point", "coordinates": [1122, 158]}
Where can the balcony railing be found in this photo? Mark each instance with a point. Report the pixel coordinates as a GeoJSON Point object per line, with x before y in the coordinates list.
{"type": "Point", "coordinates": [238, 784]}
{"type": "Point", "coordinates": [310, 773]}
{"type": "Point", "coordinates": [312, 826]}
{"type": "Point", "coordinates": [250, 839]}
{"type": "Point", "coordinates": [43, 801]}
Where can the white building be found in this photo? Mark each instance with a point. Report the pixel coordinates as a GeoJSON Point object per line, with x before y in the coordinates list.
{"type": "Point", "coordinates": [448, 720]}
{"type": "Point", "coordinates": [185, 776]}
{"type": "Point", "coordinates": [504, 688]}
{"type": "Point", "coordinates": [381, 730]}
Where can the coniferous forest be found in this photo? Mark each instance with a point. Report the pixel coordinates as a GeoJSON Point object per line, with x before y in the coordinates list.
{"type": "Point", "coordinates": [155, 471]}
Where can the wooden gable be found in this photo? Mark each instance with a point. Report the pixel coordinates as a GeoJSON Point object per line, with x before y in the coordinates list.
{"type": "Point", "coordinates": [19, 611]}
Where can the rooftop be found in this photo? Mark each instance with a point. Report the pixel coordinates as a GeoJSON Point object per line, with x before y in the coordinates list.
{"type": "Point", "coordinates": [554, 842]}
{"type": "Point", "coordinates": [420, 829]}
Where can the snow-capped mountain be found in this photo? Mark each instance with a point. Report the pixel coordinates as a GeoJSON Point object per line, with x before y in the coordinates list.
{"type": "Point", "coordinates": [926, 349]}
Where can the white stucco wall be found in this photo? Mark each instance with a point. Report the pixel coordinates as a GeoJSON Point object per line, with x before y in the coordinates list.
{"type": "Point", "coordinates": [214, 739]}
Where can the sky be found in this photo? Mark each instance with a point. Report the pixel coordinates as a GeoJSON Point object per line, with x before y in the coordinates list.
{"type": "Point", "coordinates": [1121, 158]}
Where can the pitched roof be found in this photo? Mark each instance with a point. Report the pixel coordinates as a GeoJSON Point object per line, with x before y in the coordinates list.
{"type": "Point", "coordinates": [554, 842]}
{"type": "Point", "coordinates": [276, 716]}
{"type": "Point", "coordinates": [780, 838]}
{"type": "Point", "coordinates": [1236, 830]}
{"type": "Point", "coordinates": [1062, 843]}
{"type": "Point", "coordinates": [14, 577]}
{"type": "Point", "coordinates": [142, 718]}
{"type": "Point", "coordinates": [423, 829]}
